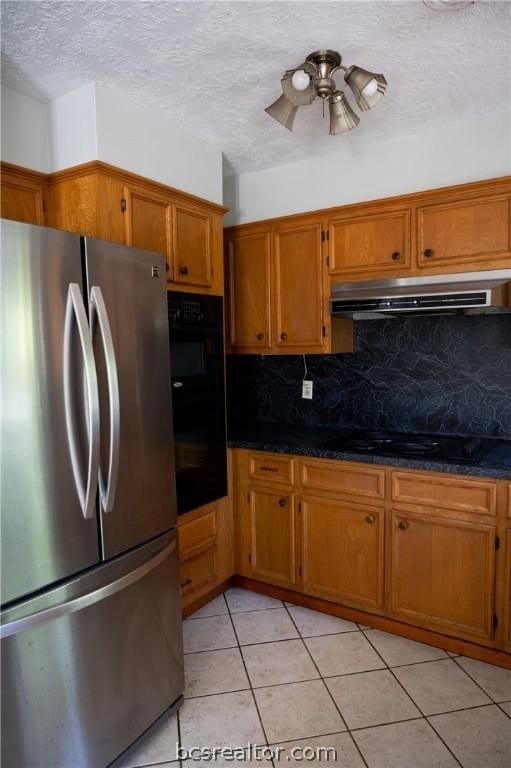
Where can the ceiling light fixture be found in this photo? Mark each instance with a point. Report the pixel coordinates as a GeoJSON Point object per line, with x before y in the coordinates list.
{"type": "Point", "coordinates": [313, 78]}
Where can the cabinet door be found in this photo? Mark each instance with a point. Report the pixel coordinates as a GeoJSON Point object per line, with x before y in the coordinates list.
{"type": "Point", "coordinates": [369, 244]}
{"type": "Point", "coordinates": [148, 222]}
{"type": "Point", "coordinates": [249, 292]}
{"type": "Point", "coordinates": [272, 526]}
{"type": "Point", "coordinates": [192, 247]}
{"type": "Point", "coordinates": [507, 616]}
{"type": "Point", "coordinates": [470, 232]}
{"type": "Point", "coordinates": [442, 574]}
{"type": "Point", "coordinates": [21, 200]}
{"type": "Point", "coordinates": [298, 269]}
{"type": "Point", "coordinates": [342, 551]}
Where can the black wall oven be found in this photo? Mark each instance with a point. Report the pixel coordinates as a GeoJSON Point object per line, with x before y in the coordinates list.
{"type": "Point", "coordinates": [198, 397]}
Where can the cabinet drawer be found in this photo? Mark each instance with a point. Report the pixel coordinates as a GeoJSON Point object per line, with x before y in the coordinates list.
{"type": "Point", "coordinates": [198, 572]}
{"type": "Point", "coordinates": [471, 496]}
{"type": "Point", "coordinates": [197, 535]}
{"type": "Point", "coordinates": [278, 469]}
{"type": "Point", "coordinates": [348, 479]}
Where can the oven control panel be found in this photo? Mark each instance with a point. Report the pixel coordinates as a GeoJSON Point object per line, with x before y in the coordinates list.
{"type": "Point", "coordinates": [185, 312]}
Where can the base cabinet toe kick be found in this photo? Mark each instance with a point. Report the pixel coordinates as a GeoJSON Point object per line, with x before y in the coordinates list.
{"type": "Point", "coordinates": [421, 548]}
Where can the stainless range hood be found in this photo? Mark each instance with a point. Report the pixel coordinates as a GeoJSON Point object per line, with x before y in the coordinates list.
{"type": "Point", "coordinates": [466, 292]}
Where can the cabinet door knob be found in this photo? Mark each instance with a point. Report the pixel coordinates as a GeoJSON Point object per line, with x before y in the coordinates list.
{"type": "Point", "coordinates": [186, 582]}
{"type": "Point", "coordinates": [396, 256]}
{"type": "Point", "coordinates": [260, 336]}
{"type": "Point", "coordinates": [167, 267]}
{"type": "Point", "coordinates": [429, 253]}
{"type": "Point", "coordinates": [183, 269]}
{"type": "Point", "coordinates": [283, 336]}
{"type": "Point", "coordinates": [370, 519]}
{"type": "Point", "coordinates": [282, 502]}
{"type": "Point", "coordinates": [403, 525]}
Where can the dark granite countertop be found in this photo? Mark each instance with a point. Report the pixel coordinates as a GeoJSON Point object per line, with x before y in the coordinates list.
{"type": "Point", "coordinates": [307, 441]}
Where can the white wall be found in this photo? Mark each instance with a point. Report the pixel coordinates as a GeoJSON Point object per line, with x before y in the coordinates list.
{"type": "Point", "coordinates": [454, 154]}
{"type": "Point", "coordinates": [97, 123]}
{"type": "Point", "coordinates": [72, 128]}
{"type": "Point", "coordinates": [141, 141]}
{"type": "Point", "coordinates": [24, 131]}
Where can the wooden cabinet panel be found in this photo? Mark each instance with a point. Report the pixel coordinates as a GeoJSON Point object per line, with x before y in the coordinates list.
{"type": "Point", "coordinates": [343, 478]}
{"type": "Point", "coordinates": [442, 574]}
{"type": "Point", "coordinates": [368, 244]}
{"type": "Point", "coordinates": [21, 199]}
{"type": "Point", "coordinates": [198, 574]}
{"type": "Point", "coordinates": [148, 222]}
{"type": "Point", "coordinates": [507, 606]}
{"type": "Point", "coordinates": [431, 490]}
{"type": "Point", "coordinates": [271, 468]}
{"type": "Point", "coordinates": [249, 292]}
{"type": "Point", "coordinates": [192, 247]}
{"type": "Point", "coordinates": [197, 534]}
{"type": "Point", "coordinates": [272, 524]}
{"type": "Point", "coordinates": [465, 231]}
{"type": "Point", "coordinates": [342, 551]}
{"type": "Point", "coordinates": [298, 282]}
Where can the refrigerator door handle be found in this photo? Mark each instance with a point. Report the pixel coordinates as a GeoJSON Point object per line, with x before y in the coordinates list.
{"type": "Point", "coordinates": [97, 309]}
{"type": "Point", "coordinates": [86, 491]}
{"type": "Point", "coordinates": [31, 620]}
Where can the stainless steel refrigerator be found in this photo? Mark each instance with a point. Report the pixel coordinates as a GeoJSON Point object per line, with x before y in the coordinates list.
{"type": "Point", "coordinates": [91, 647]}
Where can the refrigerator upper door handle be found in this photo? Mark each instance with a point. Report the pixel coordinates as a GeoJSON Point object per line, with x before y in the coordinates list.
{"type": "Point", "coordinates": [86, 491]}
{"type": "Point", "coordinates": [97, 309]}
{"type": "Point", "coordinates": [21, 624]}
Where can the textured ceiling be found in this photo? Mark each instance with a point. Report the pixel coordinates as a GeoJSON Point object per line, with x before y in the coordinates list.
{"type": "Point", "coordinates": [214, 66]}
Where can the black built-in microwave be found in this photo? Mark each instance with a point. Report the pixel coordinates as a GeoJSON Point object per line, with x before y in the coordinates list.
{"type": "Point", "coordinates": [198, 397]}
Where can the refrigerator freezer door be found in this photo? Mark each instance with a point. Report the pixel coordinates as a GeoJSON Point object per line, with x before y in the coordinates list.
{"type": "Point", "coordinates": [132, 288]}
{"type": "Point", "coordinates": [89, 666]}
{"type": "Point", "coordinates": [47, 439]}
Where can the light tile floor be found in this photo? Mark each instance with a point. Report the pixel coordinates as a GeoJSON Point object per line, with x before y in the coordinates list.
{"type": "Point", "coordinates": [271, 673]}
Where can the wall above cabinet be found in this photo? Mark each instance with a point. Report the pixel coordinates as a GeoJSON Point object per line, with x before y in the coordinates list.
{"type": "Point", "coordinates": [100, 200]}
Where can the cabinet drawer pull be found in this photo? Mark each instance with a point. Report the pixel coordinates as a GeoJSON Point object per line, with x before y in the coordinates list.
{"type": "Point", "coordinates": [183, 269]}
{"type": "Point", "coordinates": [428, 253]}
{"type": "Point", "coordinates": [283, 336]}
{"type": "Point", "coordinates": [403, 525]}
{"type": "Point", "coordinates": [370, 519]}
{"type": "Point", "coordinates": [396, 256]}
{"type": "Point", "coordinates": [186, 582]}
{"type": "Point", "coordinates": [263, 468]}
{"type": "Point", "coordinates": [260, 336]}
{"type": "Point", "coordinates": [282, 502]}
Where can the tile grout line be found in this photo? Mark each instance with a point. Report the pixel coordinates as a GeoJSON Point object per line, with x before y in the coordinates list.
{"type": "Point", "coordinates": [286, 607]}
{"type": "Point", "coordinates": [473, 679]}
{"type": "Point", "coordinates": [412, 700]}
{"type": "Point", "coordinates": [248, 677]}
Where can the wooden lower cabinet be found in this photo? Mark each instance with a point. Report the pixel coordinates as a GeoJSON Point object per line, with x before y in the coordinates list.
{"type": "Point", "coordinates": [507, 592]}
{"type": "Point", "coordinates": [342, 551]}
{"type": "Point", "coordinates": [272, 535]}
{"type": "Point", "coordinates": [442, 573]}
{"type": "Point", "coordinates": [349, 533]}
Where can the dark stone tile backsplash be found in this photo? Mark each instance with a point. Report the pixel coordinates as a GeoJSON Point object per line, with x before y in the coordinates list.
{"type": "Point", "coordinates": [423, 374]}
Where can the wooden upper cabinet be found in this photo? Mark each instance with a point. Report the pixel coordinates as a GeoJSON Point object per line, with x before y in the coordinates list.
{"type": "Point", "coordinates": [465, 232]}
{"type": "Point", "coordinates": [442, 573]}
{"type": "Point", "coordinates": [192, 247]}
{"type": "Point", "coordinates": [272, 535]}
{"type": "Point", "coordinates": [342, 551]}
{"type": "Point", "coordinates": [298, 286]}
{"type": "Point", "coordinates": [249, 282]}
{"type": "Point", "coordinates": [22, 196]}
{"type": "Point", "coordinates": [148, 222]}
{"type": "Point", "coordinates": [367, 244]}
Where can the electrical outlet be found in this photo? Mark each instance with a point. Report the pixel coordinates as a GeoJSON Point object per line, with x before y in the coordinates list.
{"type": "Point", "coordinates": [307, 390]}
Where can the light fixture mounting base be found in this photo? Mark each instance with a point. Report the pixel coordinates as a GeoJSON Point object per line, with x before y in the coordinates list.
{"type": "Point", "coordinates": [325, 61]}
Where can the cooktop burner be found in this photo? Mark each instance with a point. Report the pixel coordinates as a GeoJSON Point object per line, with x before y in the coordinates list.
{"type": "Point", "coordinates": [439, 447]}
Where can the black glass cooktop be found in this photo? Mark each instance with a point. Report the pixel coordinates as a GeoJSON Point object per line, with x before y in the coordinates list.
{"type": "Point", "coordinates": [437, 447]}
